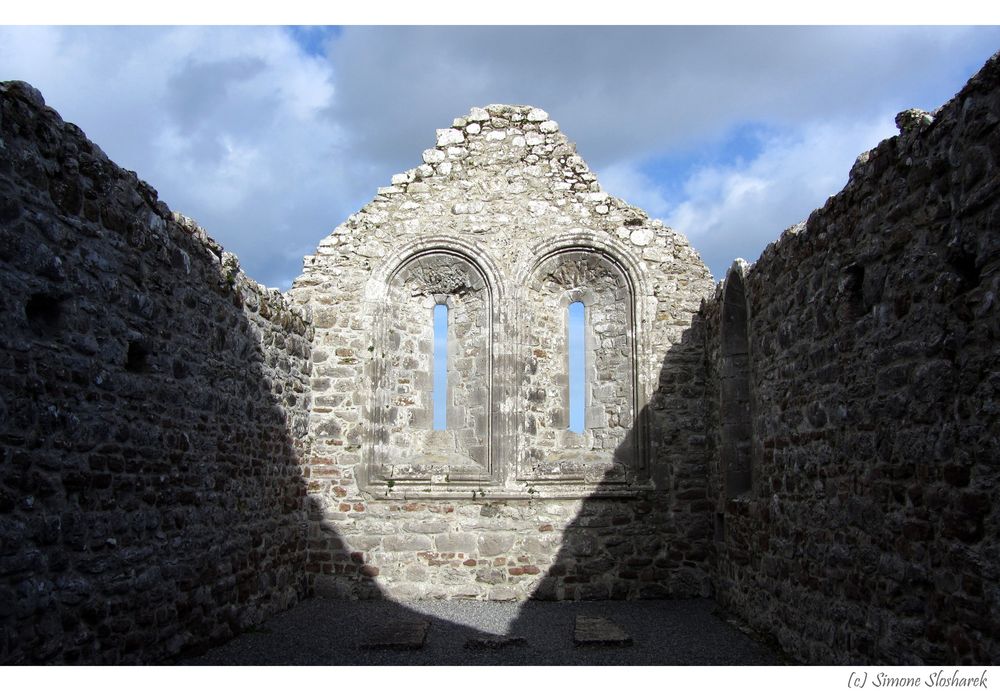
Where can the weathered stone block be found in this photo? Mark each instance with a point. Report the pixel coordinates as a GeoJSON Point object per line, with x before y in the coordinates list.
{"type": "Point", "coordinates": [465, 543]}
{"type": "Point", "coordinates": [493, 544]}
{"type": "Point", "coordinates": [432, 156]}
{"type": "Point", "coordinates": [400, 636]}
{"type": "Point", "coordinates": [478, 115]}
{"type": "Point", "coordinates": [597, 631]}
{"type": "Point", "coordinates": [502, 593]}
{"type": "Point", "coordinates": [467, 208]}
{"type": "Point", "coordinates": [450, 136]}
{"type": "Point", "coordinates": [426, 527]}
{"type": "Point", "coordinates": [495, 642]}
{"type": "Point", "coordinates": [406, 543]}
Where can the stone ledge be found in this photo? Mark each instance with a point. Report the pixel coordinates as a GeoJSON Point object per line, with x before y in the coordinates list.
{"type": "Point", "coordinates": [488, 494]}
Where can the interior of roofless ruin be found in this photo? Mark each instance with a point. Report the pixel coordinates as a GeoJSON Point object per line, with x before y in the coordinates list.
{"type": "Point", "coordinates": [497, 382]}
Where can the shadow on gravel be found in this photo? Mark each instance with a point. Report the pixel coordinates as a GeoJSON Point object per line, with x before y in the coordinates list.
{"type": "Point", "coordinates": [333, 632]}
{"type": "Point", "coordinates": [602, 560]}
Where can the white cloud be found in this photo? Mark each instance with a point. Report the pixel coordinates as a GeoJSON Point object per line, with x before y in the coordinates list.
{"type": "Point", "coordinates": [734, 210]}
{"type": "Point", "coordinates": [626, 181]}
{"type": "Point", "coordinates": [270, 144]}
{"type": "Point", "coordinates": [230, 126]}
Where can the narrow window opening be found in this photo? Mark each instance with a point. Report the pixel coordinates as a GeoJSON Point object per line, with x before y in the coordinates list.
{"type": "Point", "coordinates": [736, 452]}
{"type": "Point", "coordinates": [577, 367]}
{"type": "Point", "coordinates": [852, 285]}
{"type": "Point", "coordinates": [44, 313]}
{"type": "Point", "coordinates": [136, 357]}
{"type": "Point", "coordinates": [440, 392]}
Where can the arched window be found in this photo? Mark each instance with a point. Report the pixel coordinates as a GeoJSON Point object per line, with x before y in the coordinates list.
{"type": "Point", "coordinates": [578, 373]}
{"type": "Point", "coordinates": [433, 371]}
{"type": "Point", "coordinates": [576, 327]}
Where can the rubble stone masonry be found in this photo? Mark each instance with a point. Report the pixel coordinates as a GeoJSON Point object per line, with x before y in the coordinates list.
{"type": "Point", "coordinates": [813, 442]}
{"type": "Point", "coordinates": [153, 410]}
{"type": "Point", "coordinates": [868, 530]}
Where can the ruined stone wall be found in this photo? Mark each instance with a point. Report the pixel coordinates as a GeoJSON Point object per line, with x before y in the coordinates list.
{"type": "Point", "coordinates": [868, 530]}
{"type": "Point", "coordinates": [185, 452]}
{"type": "Point", "coordinates": [153, 408]}
{"type": "Point", "coordinates": [506, 224]}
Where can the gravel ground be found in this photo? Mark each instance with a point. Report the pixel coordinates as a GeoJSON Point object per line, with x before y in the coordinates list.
{"type": "Point", "coordinates": [331, 632]}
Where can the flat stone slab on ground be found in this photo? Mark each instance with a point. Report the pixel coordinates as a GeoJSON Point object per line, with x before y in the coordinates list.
{"type": "Point", "coordinates": [494, 642]}
{"type": "Point", "coordinates": [407, 635]}
{"type": "Point", "coordinates": [666, 632]}
{"type": "Point", "coordinates": [599, 631]}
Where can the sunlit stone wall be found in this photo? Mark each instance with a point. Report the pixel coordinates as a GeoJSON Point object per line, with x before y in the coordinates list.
{"type": "Point", "coordinates": [504, 222]}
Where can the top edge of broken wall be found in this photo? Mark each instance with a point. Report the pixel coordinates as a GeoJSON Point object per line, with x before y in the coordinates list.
{"type": "Point", "coordinates": [873, 162]}
{"type": "Point", "coordinates": [161, 220]}
{"type": "Point", "coordinates": [631, 216]}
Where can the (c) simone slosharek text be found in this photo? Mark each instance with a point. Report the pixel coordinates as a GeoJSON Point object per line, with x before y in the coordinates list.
{"type": "Point", "coordinates": [936, 679]}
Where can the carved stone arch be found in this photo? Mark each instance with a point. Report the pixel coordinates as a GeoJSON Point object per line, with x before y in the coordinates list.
{"type": "Point", "coordinates": [446, 244]}
{"type": "Point", "coordinates": [613, 249]}
{"type": "Point", "coordinates": [736, 452]}
{"type": "Point", "coordinates": [400, 298]}
{"type": "Point", "coordinates": [611, 450]}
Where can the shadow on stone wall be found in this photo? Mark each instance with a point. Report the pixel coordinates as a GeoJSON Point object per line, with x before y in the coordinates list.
{"type": "Point", "coordinates": [655, 544]}
{"type": "Point", "coordinates": [153, 414]}
{"type": "Point", "coordinates": [153, 409]}
{"type": "Point", "coordinates": [870, 531]}
{"type": "Point", "coordinates": [150, 492]}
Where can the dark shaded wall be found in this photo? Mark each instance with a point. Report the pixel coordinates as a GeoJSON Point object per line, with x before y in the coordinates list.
{"type": "Point", "coordinates": [869, 529]}
{"type": "Point", "coordinates": [153, 405]}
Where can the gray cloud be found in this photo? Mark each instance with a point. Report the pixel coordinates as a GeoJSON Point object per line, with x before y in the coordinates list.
{"type": "Point", "coordinates": [629, 95]}
{"type": "Point", "coordinates": [270, 145]}
{"type": "Point", "coordinates": [199, 91]}
{"type": "Point", "coordinates": [734, 209]}
{"type": "Point", "coordinates": [623, 92]}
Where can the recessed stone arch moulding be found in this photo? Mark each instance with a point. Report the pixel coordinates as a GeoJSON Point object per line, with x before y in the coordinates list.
{"type": "Point", "coordinates": [405, 446]}
{"type": "Point", "coordinates": [548, 450]}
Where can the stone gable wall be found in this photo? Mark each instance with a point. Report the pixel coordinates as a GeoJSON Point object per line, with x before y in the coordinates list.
{"type": "Point", "coordinates": [153, 410]}
{"type": "Point", "coordinates": [491, 507]}
{"type": "Point", "coordinates": [870, 529]}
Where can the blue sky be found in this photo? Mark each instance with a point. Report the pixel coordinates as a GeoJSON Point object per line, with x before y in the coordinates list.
{"type": "Point", "coordinates": [440, 366]}
{"type": "Point", "coordinates": [577, 365]}
{"type": "Point", "coordinates": [271, 136]}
